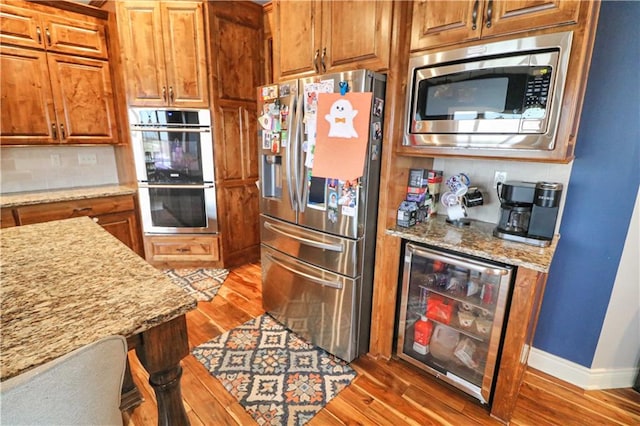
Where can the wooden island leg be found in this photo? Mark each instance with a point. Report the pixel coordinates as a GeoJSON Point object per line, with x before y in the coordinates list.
{"type": "Point", "coordinates": [161, 349]}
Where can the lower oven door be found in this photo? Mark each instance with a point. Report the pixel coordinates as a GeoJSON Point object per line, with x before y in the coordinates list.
{"type": "Point", "coordinates": [318, 305]}
{"type": "Point", "coordinates": [178, 209]}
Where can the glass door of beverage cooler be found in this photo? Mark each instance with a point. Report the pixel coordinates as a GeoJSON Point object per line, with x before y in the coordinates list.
{"type": "Point", "coordinates": [451, 317]}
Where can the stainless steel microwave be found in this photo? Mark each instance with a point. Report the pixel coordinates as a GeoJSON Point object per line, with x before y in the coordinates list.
{"type": "Point", "coordinates": [503, 95]}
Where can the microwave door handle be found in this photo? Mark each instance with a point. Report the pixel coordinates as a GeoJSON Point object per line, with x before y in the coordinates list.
{"type": "Point", "coordinates": [298, 160]}
{"type": "Point", "coordinates": [292, 120]}
{"type": "Point", "coordinates": [306, 241]}
{"type": "Point", "coordinates": [333, 284]}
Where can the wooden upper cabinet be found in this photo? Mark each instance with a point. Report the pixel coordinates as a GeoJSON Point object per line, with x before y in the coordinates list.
{"type": "Point", "coordinates": [440, 23]}
{"type": "Point", "coordinates": [55, 84]}
{"type": "Point", "coordinates": [315, 37]}
{"type": "Point", "coordinates": [164, 53]}
{"type": "Point", "coordinates": [77, 35]}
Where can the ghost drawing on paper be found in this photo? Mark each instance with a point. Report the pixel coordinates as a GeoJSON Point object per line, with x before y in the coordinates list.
{"type": "Point", "coordinates": [340, 120]}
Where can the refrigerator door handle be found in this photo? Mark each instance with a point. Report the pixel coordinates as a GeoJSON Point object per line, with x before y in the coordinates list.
{"type": "Point", "coordinates": [289, 169]}
{"type": "Point", "coordinates": [325, 246]}
{"type": "Point", "coordinates": [297, 154]}
{"type": "Point", "coordinates": [332, 284]}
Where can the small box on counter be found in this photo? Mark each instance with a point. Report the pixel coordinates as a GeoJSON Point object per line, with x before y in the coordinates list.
{"type": "Point", "coordinates": [434, 179]}
{"type": "Point", "coordinates": [407, 214]}
{"type": "Point", "coordinates": [418, 178]}
{"type": "Point", "coordinates": [417, 187]}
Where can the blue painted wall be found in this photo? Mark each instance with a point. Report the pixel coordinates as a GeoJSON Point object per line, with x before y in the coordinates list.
{"type": "Point", "coordinates": [601, 192]}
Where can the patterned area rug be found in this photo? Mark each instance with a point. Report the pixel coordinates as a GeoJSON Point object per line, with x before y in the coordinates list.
{"type": "Point", "coordinates": [203, 284]}
{"type": "Point", "coordinates": [276, 376]}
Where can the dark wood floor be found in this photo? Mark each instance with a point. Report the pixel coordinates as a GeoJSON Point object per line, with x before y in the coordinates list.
{"type": "Point", "coordinates": [384, 393]}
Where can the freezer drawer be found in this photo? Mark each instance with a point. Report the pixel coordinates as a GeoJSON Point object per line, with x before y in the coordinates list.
{"type": "Point", "coordinates": [318, 305]}
{"type": "Point", "coordinates": [341, 255]}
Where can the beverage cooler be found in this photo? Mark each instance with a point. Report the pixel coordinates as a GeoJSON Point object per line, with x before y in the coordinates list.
{"type": "Point", "coordinates": [451, 316]}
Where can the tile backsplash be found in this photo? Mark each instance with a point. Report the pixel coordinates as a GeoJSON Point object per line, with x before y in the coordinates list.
{"type": "Point", "coordinates": [54, 167]}
{"type": "Point", "coordinates": [481, 173]}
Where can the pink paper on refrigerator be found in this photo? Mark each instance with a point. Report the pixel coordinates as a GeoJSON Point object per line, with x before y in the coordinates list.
{"type": "Point", "coordinates": [342, 135]}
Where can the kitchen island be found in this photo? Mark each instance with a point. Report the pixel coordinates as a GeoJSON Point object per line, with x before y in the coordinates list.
{"type": "Point", "coordinates": [69, 283]}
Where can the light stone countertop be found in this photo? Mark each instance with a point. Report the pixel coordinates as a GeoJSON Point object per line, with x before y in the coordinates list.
{"type": "Point", "coordinates": [17, 199]}
{"type": "Point", "coordinates": [477, 240]}
{"type": "Point", "coordinates": [67, 283]}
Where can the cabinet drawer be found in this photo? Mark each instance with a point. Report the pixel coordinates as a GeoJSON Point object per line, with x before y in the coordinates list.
{"type": "Point", "coordinates": [178, 248]}
{"type": "Point", "coordinates": [7, 220]}
{"type": "Point", "coordinates": [68, 209]}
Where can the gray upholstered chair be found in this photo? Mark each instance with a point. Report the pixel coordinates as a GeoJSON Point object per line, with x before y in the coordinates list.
{"type": "Point", "coordinates": [80, 388]}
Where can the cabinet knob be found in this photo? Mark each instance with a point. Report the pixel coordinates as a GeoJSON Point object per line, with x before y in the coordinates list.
{"type": "Point", "coordinates": [95, 219]}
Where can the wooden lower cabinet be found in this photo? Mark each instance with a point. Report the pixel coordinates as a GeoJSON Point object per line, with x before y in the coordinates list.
{"type": "Point", "coordinates": [179, 250]}
{"type": "Point", "coordinates": [116, 214]}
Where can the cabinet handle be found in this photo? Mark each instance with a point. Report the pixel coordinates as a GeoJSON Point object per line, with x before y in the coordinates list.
{"type": "Point", "coordinates": [183, 250]}
{"type": "Point", "coordinates": [95, 219]}
{"type": "Point", "coordinates": [315, 60]}
{"type": "Point", "coordinates": [489, 13]}
{"type": "Point", "coordinates": [62, 135]}
{"type": "Point", "coordinates": [170, 94]}
{"type": "Point", "coordinates": [474, 15]}
{"type": "Point", "coordinates": [54, 130]}
{"type": "Point", "coordinates": [324, 55]}
{"type": "Point", "coordinates": [164, 93]}
{"type": "Point", "coordinates": [82, 209]}
{"type": "Point", "coordinates": [46, 31]}
{"type": "Point", "coordinates": [39, 34]}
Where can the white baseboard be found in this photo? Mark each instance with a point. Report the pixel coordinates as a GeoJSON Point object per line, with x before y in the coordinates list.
{"type": "Point", "coordinates": [583, 377]}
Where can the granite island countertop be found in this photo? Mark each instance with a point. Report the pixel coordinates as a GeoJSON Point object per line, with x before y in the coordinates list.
{"type": "Point", "coordinates": [477, 240]}
{"type": "Point", "coordinates": [68, 283]}
{"type": "Point", "coordinates": [18, 199]}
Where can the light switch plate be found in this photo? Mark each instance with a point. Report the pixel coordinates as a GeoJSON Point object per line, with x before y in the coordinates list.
{"type": "Point", "coordinates": [87, 159]}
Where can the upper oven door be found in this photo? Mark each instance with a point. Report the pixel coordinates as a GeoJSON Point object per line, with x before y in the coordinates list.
{"type": "Point", "coordinates": [502, 95]}
{"type": "Point", "coordinates": [172, 146]}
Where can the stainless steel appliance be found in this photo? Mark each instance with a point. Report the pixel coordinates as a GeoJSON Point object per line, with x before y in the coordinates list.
{"type": "Point", "coordinates": [317, 251]}
{"type": "Point", "coordinates": [501, 95]}
{"type": "Point", "coordinates": [451, 316]}
{"type": "Point", "coordinates": [173, 153]}
{"type": "Point", "coordinates": [528, 211]}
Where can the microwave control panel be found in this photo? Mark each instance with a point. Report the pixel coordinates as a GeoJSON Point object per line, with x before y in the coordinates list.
{"type": "Point", "coordinates": [537, 90]}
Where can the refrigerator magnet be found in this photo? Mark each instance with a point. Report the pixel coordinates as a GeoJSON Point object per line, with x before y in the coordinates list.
{"type": "Point", "coordinates": [265, 121]}
{"type": "Point", "coordinates": [285, 89]}
{"type": "Point", "coordinates": [348, 211]}
{"type": "Point", "coordinates": [275, 143]}
{"type": "Point", "coordinates": [266, 140]}
{"type": "Point", "coordinates": [269, 92]}
{"type": "Point", "coordinates": [378, 107]}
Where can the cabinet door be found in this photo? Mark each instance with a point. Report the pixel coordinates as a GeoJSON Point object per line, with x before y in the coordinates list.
{"type": "Point", "coordinates": [83, 99]}
{"type": "Point", "coordinates": [185, 54]}
{"type": "Point", "coordinates": [20, 27]}
{"type": "Point", "coordinates": [26, 100]}
{"type": "Point", "coordinates": [522, 15]}
{"type": "Point", "coordinates": [297, 50]}
{"type": "Point", "coordinates": [239, 224]}
{"type": "Point", "coordinates": [439, 23]}
{"type": "Point", "coordinates": [140, 29]}
{"type": "Point", "coordinates": [355, 34]}
{"type": "Point", "coordinates": [124, 227]}
{"type": "Point", "coordinates": [75, 37]}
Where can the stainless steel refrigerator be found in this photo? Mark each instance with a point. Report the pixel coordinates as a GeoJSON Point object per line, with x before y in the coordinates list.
{"type": "Point", "coordinates": [317, 233]}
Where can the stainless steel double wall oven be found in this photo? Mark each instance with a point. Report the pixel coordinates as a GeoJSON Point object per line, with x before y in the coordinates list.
{"type": "Point", "coordinates": [173, 151]}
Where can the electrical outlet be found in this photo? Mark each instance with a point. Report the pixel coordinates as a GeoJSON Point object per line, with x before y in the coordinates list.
{"type": "Point", "coordinates": [499, 177]}
{"type": "Point", "coordinates": [55, 160]}
{"type": "Point", "coordinates": [87, 159]}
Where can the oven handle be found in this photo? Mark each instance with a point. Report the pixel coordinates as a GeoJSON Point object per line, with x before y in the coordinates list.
{"type": "Point", "coordinates": [135, 128]}
{"type": "Point", "coordinates": [325, 246]}
{"type": "Point", "coordinates": [205, 186]}
{"type": "Point", "coordinates": [332, 284]}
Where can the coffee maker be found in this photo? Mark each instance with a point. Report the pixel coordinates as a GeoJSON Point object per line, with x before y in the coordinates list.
{"type": "Point", "coordinates": [528, 211]}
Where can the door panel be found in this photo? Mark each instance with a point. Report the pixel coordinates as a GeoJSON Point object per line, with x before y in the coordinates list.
{"type": "Point", "coordinates": [25, 97]}
{"type": "Point", "coordinates": [139, 27]}
{"type": "Point", "coordinates": [318, 305]}
{"type": "Point", "coordinates": [185, 54]}
{"type": "Point", "coordinates": [298, 35]}
{"type": "Point", "coordinates": [84, 92]}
